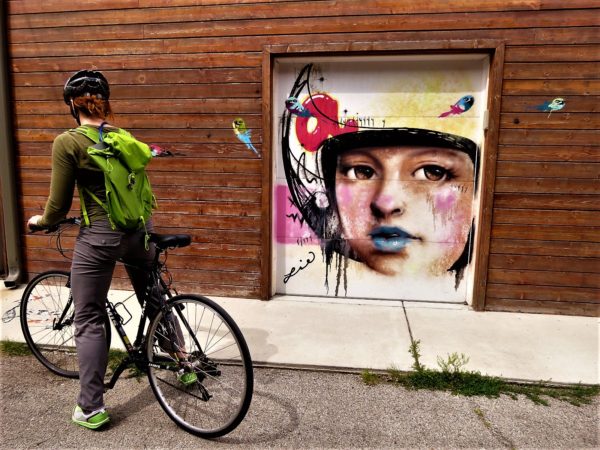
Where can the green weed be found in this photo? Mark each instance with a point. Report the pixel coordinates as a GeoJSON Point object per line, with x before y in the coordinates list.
{"type": "Point", "coordinates": [453, 377]}
{"type": "Point", "coordinates": [12, 348]}
{"type": "Point", "coordinates": [370, 378]}
{"type": "Point", "coordinates": [114, 359]}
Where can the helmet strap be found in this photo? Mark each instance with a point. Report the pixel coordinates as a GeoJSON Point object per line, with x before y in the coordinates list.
{"type": "Point", "coordinates": [74, 112]}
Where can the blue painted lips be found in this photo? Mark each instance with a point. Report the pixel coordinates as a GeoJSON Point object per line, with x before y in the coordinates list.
{"type": "Point", "coordinates": [390, 239]}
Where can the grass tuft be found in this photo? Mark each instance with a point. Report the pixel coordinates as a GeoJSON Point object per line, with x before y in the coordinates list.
{"type": "Point", "coordinates": [12, 348]}
{"type": "Point", "coordinates": [114, 359]}
{"type": "Point", "coordinates": [370, 378]}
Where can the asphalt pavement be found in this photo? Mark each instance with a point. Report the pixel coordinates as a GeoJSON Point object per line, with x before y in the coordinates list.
{"type": "Point", "coordinates": [299, 409]}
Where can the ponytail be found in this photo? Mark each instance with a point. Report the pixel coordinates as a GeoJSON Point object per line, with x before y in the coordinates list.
{"type": "Point", "coordinates": [93, 106]}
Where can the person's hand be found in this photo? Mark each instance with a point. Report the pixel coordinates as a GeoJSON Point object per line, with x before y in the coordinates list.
{"type": "Point", "coordinates": [32, 223]}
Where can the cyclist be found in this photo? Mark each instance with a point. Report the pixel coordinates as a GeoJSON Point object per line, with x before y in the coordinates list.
{"type": "Point", "coordinates": [97, 247]}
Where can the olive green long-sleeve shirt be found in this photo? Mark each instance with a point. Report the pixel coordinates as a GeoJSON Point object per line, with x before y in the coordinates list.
{"type": "Point", "coordinates": [71, 165]}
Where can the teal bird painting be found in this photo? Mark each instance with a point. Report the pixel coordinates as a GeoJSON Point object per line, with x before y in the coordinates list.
{"type": "Point", "coordinates": [243, 133]}
{"type": "Point", "coordinates": [550, 106]}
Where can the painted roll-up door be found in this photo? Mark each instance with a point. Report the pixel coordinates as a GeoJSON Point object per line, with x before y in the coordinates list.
{"type": "Point", "coordinates": [377, 168]}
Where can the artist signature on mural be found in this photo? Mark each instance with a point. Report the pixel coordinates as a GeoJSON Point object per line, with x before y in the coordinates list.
{"type": "Point", "coordinates": [10, 314]}
{"type": "Point", "coordinates": [295, 271]}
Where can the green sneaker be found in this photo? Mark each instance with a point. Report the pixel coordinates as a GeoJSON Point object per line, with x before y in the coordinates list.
{"type": "Point", "coordinates": [187, 378]}
{"type": "Point", "coordinates": [93, 420]}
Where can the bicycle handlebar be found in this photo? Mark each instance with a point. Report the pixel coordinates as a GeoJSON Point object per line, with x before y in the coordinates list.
{"type": "Point", "coordinates": [56, 226]}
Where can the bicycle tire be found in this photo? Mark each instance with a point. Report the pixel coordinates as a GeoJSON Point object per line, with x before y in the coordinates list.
{"type": "Point", "coordinates": [223, 368]}
{"type": "Point", "coordinates": [44, 301]}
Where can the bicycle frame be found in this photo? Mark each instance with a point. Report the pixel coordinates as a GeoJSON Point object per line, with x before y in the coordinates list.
{"type": "Point", "coordinates": [135, 351]}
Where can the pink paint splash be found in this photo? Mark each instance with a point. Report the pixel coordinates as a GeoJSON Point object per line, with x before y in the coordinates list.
{"type": "Point", "coordinates": [289, 223]}
{"type": "Point", "coordinates": [445, 201]}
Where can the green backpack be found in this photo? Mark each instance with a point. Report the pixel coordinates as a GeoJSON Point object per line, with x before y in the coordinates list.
{"type": "Point", "coordinates": [122, 159]}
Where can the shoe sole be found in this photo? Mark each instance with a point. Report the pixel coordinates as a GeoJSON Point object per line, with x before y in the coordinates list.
{"type": "Point", "coordinates": [91, 426]}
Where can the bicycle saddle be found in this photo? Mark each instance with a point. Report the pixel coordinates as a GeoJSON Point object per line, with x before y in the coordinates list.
{"type": "Point", "coordinates": [164, 241]}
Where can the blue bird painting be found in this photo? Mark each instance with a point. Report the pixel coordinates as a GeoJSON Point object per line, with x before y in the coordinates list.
{"type": "Point", "coordinates": [293, 106]}
{"type": "Point", "coordinates": [550, 106]}
{"type": "Point", "coordinates": [243, 133]}
{"type": "Point", "coordinates": [461, 106]}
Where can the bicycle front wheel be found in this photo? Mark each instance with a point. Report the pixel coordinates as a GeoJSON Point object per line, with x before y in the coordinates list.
{"type": "Point", "coordinates": [47, 312]}
{"type": "Point", "coordinates": [199, 366]}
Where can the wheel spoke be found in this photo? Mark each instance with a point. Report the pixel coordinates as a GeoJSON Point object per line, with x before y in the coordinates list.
{"type": "Point", "coordinates": [217, 401]}
{"type": "Point", "coordinates": [43, 304]}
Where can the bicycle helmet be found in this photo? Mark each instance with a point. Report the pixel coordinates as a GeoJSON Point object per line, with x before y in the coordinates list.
{"type": "Point", "coordinates": [86, 82]}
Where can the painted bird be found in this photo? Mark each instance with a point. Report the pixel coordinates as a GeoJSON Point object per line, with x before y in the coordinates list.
{"type": "Point", "coordinates": [243, 133]}
{"type": "Point", "coordinates": [550, 106]}
{"type": "Point", "coordinates": [293, 105]}
{"type": "Point", "coordinates": [159, 151]}
{"type": "Point", "coordinates": [461, 106]}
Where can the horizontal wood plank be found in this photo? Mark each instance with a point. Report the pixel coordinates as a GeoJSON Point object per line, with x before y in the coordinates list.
{"type": "Point", "coordinates": [154, 136]}
{"type": "Point", "coordinates": [146, 62]}
{"type": "Point", "coordinates": [232, 44]}
{"type": "Point", "coordinates": [551, 71]}
{"type": "Point", "coordinates": [544, 263]}
{"type": "Point", "coordinates": [548, 201]}
{"type": "Point", "coordinates": [551, 87]}
{"type": "Point", "coordinates": [552, 53]}
{"type": "Point", "coordinates": [512, 246]}
{"type": "Point", "coordinates": [575, 186]}
{"type": "Point", "coordinates": [551, 120]}
{"type": "Point", "coordinates": [568, 170]}
{"type": "Point", "coordinates": [544, 307]}
{"type": "Point", "coordinates": [21, 7]}
{"type": "Point", "coordinates": [545, 278]}
{"type": "Point", "coordinates": [546, 217]}
{"type": "Point", "coordinates": [334, 24]}
{"type": "Point", "coordinates": [175, 164]}
{"type": "Point", "coordinates": [198, 248]}
{"type": "Point", "coordinates": [550, 137]}
{"type": "Point", "coordinates": [141, 121]}
{"type": "Point", "coordinates": [237, 106]}
{"type": "Point", "coordinates": [559, 153]}
{"type": "Point", "coordinates": [129, 77]}
{"type": "Point", "coordinates": [181, 193]}
{"type": "Point", "coordinates": [529, 103]}
{"type": "Point", "coordinates": [141, 92]}
{"type": "Point", "coordinates": [580, 234]}
{"type": "Point", "coordinates": [544, 293]}
{"type": "Point", "coordinates": [214, 150]}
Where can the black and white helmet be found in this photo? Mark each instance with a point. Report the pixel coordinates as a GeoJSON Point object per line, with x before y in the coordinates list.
{"type": "Point", "coordinates": [86, 82]}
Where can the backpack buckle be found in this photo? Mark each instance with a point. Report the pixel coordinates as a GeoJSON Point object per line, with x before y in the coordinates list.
{"type": "Point", "coordinates": [131, 180]}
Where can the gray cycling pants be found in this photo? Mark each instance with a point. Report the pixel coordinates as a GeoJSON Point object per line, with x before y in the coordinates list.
{"type": "Point", "coordinates": [97, 249]}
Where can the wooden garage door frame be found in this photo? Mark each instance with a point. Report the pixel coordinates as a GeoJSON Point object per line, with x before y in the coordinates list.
{"type": "Point", "coordinates": [494, 48]}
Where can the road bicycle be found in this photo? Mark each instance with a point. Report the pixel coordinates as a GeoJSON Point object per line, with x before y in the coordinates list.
{"type": "Point", "coordinates": [197, 361]}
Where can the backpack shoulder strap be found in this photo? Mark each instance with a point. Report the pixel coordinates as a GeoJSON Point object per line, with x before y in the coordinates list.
{"type": "Point", "coordinates": [91, 132]}
{"type": "Point", "coordinates": [86, 218]}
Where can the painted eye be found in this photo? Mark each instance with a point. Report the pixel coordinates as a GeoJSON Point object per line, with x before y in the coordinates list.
{"type": "Point", "coordinates": [360, 173]}
{"type": "Point", "coordinates": [433, 173]}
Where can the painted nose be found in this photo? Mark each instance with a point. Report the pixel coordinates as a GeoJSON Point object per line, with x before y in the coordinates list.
{"type": "Point", "coordinates": [389, 200]}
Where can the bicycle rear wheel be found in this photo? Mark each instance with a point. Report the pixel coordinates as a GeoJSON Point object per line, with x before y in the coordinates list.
{"type": "Point", "coordinates": [47, 312]}
{"type": "Point", "coordinates": [219, 396]}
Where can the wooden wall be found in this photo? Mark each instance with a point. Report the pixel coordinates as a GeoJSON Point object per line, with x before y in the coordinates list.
{"type": "Point", "coordinates": [181, 73]}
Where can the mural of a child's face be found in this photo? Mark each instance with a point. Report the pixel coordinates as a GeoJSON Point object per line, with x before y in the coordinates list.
{"type": "Point", "coordinates": [405, 209]}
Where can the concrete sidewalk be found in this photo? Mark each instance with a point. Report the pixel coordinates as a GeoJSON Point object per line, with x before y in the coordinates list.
{"type": "Point", "coordinates": [354, 334]}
